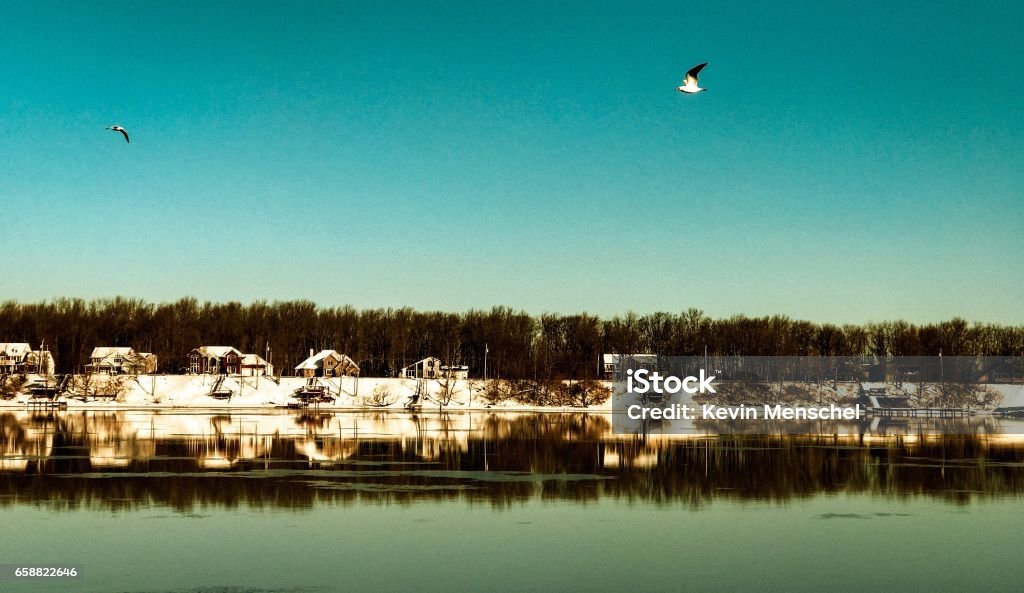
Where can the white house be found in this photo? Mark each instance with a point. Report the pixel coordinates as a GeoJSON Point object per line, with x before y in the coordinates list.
{"type": "Point", "coordinates": [612, 362]}
{"type": "Point", "coordinates": [254, 365]}
{"type": "Point", "coordinates": [120, 360]}
{"type": "Point", "coordinates": [18, 357]}
{"type": "Point", "coordinates": [327, 363]}
{"type": "Point", "coordinates": [431, 368]}
{"type": "Point", "coordinates": [12, 356]}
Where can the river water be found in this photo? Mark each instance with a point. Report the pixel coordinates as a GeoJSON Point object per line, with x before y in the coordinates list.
{"type": "Point", "coordinates": [260, 502]}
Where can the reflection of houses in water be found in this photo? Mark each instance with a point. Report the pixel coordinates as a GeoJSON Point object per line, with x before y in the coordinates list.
{"type": "Point", "coordinates": [225, 442]}
{"type": "Point", "coordinates": [111, 441]}
{"type": "Point", "coordinates": [495, 457]}
{"type": "Point", "coordinates": [228, 450]}
{"type": "Point", "coordinates": [616, 459]}
{"type": "Point", "coordinates": [19, 440]}
{"type": "Point", "coordinates": [110, 455]}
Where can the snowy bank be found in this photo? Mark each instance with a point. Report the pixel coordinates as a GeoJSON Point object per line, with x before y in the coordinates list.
{"type": "Point", "coordinates": [236, 392]}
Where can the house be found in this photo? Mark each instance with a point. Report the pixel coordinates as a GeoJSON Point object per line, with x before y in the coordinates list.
{"type": "Point", "coordinates": [455, 371]}
{"type": "Point", "coordinates": [214, 360]}
{"type": "Point", "coordinates": [327, 363]}
{"type": "Point", "coordinates": [18, 357]}
{"type": "Point", "coordinates": [39, 362]}
{"type": "Point", "coordinates": [431, 368]}
{"type": "Point", "coordinates": [610, 363]}
{"type": "Point", "coordinates": [253, 365]}
{"type": "Point", "coordinates": [1003, 370]}
{"type": "Point", "coordinates": [12, 356]}
{"type": "Point", "coordinates": [120, 360]}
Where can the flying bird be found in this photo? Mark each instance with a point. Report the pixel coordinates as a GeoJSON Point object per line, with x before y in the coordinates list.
{"type": "Point", "coordinates": [690, 82]}
{"type": "Point", "coordinates": [123, 131]}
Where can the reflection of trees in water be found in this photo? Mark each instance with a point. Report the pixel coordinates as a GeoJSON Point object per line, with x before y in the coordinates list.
{"type": "Point", "coordinates": [75, 460]}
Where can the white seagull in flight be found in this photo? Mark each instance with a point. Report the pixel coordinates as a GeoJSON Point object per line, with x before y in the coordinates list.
{"type": "Point", "coordinates": [123, 131]}
{"type": "Point", "coordinates": [690, 83]}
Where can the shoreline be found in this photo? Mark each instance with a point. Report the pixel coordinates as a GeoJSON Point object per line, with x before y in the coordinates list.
{"type": "Point", "coordinates": [328, 409]}
{"type": "Point", "coordinates": [362, 394]}
{"type": "Point", "coordinates": [346, 394]}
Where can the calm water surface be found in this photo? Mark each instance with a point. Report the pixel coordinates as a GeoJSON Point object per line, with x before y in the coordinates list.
{"type": "Point", "coordinates": [498, 502]}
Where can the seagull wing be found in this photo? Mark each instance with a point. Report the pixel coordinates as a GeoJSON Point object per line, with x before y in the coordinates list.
{"type": "Point", "coordinates": [691, 74]}
{"type": "Point", "coordinates": [124, 133]}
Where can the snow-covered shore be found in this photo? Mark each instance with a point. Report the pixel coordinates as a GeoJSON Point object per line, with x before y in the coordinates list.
{"type": "Point", "coordinates": [366, 393]}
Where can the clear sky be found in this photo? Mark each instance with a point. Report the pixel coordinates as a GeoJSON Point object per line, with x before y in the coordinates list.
{"type": "Point", "coordinates": [852, 161]}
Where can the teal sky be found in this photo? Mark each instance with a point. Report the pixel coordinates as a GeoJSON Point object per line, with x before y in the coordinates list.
{"type": "Point", "coordinates": [850, 162]}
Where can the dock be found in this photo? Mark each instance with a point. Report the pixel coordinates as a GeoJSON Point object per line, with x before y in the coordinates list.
{"type": "Point", "coordinates": [313, 392]}
{"type": "Point", "coordinates": [1013, 412]}
{"type": "Point", "coordinates": [48, 388]}
{"type": "Point", "coordinates": [46, 404]}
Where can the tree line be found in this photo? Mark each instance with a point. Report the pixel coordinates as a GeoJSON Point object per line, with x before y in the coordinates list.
{"type": "Point", "coordinates": [516, 344]}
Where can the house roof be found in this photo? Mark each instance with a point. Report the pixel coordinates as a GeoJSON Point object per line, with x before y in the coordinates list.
{"type": "Point", "coordinates": [13, 349]}
{"type": "Point", "coordinates": [311, 363]}
{"type": "Point", "coordinates": [253, 360]}
{"type": "Point", "coordinates": [419, 362]}
{"type": "Point", "coordinates": [616, 358]}
{"type": "Point", "coordinates": [317, 360]}
{"type": "Point", "coordinates": [105, 351]}
{"type": "Point", "coordinates": [217, 351]}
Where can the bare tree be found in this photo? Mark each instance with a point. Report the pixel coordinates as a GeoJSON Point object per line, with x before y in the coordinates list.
{"type": "Point", "coordinates": [381, 397]}
{"type": "Point", "coordinates": [447, 385]}
{"type": "Point", "coordinates": [585, 393]}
